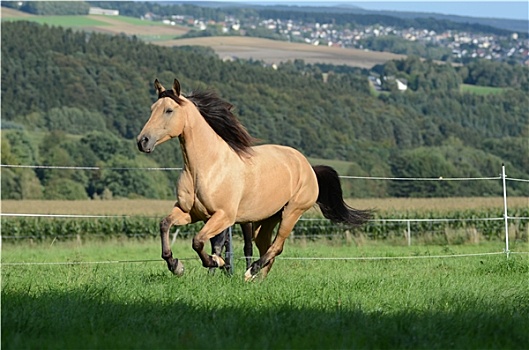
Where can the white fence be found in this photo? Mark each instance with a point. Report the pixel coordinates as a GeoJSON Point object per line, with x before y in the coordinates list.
{"type": "Point", "coordinates": [408, 231]}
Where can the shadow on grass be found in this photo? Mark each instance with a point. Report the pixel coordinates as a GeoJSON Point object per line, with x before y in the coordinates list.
{"type": "Point", "coordinates": [83, 320]}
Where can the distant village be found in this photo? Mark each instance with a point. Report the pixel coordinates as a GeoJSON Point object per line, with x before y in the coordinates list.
{"type": "Point", "coordinates": [462, 44]}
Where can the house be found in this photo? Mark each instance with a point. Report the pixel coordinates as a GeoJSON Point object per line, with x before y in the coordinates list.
{"type": "Point", "coordinates": [402, 84]}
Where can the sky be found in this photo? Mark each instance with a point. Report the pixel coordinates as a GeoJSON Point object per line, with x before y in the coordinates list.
{"type": "Point", "coordinates": [472, 8]}
{"type": "Point", "coordinates": [487, 9]}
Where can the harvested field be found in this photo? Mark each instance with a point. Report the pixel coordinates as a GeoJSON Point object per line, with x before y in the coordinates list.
{"type": "Point", "coordinates": [273, 51]}
{"type": "Point", "coordinates": [7, 12]}
{"type": "Point", "coordinates": [162, 207]}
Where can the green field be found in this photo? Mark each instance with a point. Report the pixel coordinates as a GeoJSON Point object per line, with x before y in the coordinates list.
{"type": "Point", "coordinates": [64, 21]}
{"type": "Point", "coordinates": [475, 302]}
{"type": "Point", "coordinates": [481, 90]}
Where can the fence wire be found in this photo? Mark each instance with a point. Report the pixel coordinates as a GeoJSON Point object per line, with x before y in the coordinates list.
{"type": "Point", "coordinates": [286, 258]}
{"type": "Point", "coordinates": [73, 216]}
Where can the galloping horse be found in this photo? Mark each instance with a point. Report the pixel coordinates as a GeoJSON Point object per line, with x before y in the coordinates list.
{"type": "Point", "coordinates": [227, 180]}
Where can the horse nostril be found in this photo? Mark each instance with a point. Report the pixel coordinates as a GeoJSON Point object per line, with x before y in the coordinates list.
{"type": "Point", "coordinates": [142, 143]}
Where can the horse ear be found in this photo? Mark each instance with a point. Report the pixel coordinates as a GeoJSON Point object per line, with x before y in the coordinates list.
{"type": "Point", "coordinates": [176, 87]}
{"type": "Point", "coordinates": [159, 88]}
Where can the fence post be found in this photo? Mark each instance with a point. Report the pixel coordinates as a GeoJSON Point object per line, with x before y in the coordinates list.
{"type": "Point", "coordinates": [505, 216]}
{"type": "Point", "coordinates": [229, 252]}
{"type": "Point", "coordinates": [408, 232]}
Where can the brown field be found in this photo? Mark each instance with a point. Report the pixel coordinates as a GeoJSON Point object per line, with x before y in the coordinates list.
{"type": "Point", "coordinates": [163, 207]}
{"type": "Point", "coordinates": [274, 51]}
{"type": "Point", "coordinates": [9, 12]}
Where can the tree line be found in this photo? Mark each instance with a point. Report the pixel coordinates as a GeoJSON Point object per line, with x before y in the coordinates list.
{"type": "Point", "coordinates": [73, 98]}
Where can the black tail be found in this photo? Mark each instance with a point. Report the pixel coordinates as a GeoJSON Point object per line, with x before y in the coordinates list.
{"type": "Point", "coordinates": [330, 199]}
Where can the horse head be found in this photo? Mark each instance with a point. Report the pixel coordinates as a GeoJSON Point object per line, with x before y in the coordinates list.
{"type": "Point", "coordinates": [166, 120]}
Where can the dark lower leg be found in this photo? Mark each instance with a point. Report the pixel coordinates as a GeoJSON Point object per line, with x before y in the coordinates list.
{"type": "Point", "coordinates": [207, 260]}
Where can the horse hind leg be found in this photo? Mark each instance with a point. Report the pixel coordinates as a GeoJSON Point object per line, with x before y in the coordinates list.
{"type": "Point", "coordinates": [248, 249]}
{"type": "Point", "coordinates": [263, 240]}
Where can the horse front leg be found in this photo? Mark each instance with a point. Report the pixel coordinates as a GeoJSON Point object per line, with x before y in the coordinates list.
{"type": "Point", "coordinates": [217, 243]}
{"type": "Point", "coordinates": [177, 217]}
{"type": "Point", "coordinates": [217, 223]}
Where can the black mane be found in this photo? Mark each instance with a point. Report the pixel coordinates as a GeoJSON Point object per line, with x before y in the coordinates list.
{"type": "Point", "coordinates": [219, 116]}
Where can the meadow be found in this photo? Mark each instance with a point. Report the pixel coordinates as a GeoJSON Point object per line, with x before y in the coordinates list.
{"type": "Point", "coordinates": [481, 90]}
{"type": "Point", "coordinates": [345, 292]}
{"type": "Point", "coordinates": [420, 302]}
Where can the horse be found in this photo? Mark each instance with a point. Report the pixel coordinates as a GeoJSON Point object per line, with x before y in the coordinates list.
{"type": "Point", "coordinates": [227, 179]}
{"type": "Point", "coordinates": [222, 241]}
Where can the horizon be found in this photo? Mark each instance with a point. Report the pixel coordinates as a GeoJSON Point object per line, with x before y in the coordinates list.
{"type": "Point", "coordinates": [516, 10]}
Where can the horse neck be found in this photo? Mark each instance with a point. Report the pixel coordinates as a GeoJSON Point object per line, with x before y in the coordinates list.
{"type": "Point", "coordinates": [200, 144]}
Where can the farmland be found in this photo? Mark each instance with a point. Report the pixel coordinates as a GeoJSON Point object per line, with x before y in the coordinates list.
{"type": "Point", "coordinates": [472, 220]}
{"type": "Point", "coordinates": [269, 51]}
{"type": "Point", "coordinates": [273, 51]}
{"type": "Point", "coordinates": [162, 207]}
{"type": "Point", "coordinates": [471, 302]}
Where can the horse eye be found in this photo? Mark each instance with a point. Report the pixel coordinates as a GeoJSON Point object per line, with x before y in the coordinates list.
{"type": "Point", "coordinates": [169, 111]}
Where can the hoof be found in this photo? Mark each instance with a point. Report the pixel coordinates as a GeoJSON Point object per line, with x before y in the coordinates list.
{"type": "Point", "coordinates": [218, 260]}
{"type": "Point", "coordinates": [178, 268]}
{"type": "Point", "coordinates": [248, 275]}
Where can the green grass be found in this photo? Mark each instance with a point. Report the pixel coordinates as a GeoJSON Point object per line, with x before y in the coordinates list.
{"type": "Point", "coordinates": [160, 37]}
{"type": "Point", "coordinates": [63, 21]}
{"type": "Point", "coordinates": [138, 21]}
{"type": "Point", "coordinates": [471, 302]}
{"type": "Point", "coordinates": [481, 90]}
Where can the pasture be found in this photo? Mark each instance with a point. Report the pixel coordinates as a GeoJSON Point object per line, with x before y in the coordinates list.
{"type": "Point", "coordinates": [421, 302]}
{"type": "Point", "coordinates": [481, 90]}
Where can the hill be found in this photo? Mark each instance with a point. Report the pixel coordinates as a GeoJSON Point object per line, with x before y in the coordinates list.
{"type": "Point", "coordinates": [87, 95]}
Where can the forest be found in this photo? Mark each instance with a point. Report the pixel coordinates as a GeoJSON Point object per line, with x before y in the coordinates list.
{"type": "Point", "coordinates": [72, 98]}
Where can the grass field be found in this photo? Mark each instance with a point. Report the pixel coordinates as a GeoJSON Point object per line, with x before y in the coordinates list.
{"type": "Point", "coordinates": [481, 90]}
{"type": "Point", "coordinates": [468, 302]}
{"type": "Point", "coordinates": [64, 21]}
{"type": "Point", "coordinates": [147, 30]}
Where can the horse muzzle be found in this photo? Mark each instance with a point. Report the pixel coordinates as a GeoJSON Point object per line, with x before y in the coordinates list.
{"type": "Point", "coordinates": [146, 144]}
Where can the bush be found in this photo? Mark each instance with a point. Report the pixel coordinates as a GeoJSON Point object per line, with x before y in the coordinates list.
{"type": "Point", "coordinates": [65, 189]}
